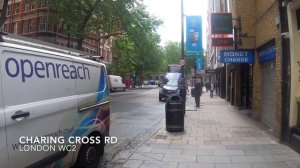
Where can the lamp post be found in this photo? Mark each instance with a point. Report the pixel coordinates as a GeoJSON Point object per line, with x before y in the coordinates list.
{"type": "Point", "coordinates": [182, 37]}
{"type": "Point", "coordinates": [183, 85]}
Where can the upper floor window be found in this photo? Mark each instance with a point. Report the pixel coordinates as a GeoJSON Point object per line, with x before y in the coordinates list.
{"type": "Point", "coordinates": [24, 26]}
{"type": "Point", "coordinates": [32, 6]}
{"type": "Point", "coordinates": [27, 7]}
{"type": "Point", "coordinates": [17, 8]}
{"type": "Point", "coordinates": [44, 3]}
{"type": "Point", "coordinates": [8, 10]}
{"type": "Point", "coordinates": [15, 28]}
{"type": "Point", "coordinates": [31, 25]}
{"type": "Point", "coordinates": [43, 23]}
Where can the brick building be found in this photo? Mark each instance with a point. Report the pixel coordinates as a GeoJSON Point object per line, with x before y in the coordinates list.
{"type": "Point", "coordinates": [32, 20]}
{"type": "Point", "coordinates": [256, 86]}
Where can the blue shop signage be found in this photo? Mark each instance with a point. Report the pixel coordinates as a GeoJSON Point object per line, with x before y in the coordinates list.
{"type": "Point", "coordinates": [267, 52]}
{"type": "Point", "coordinates": [245, 56]}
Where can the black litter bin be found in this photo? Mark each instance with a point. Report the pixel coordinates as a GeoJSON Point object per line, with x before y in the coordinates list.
{"type": "Point", "coordinates": [174, 114]}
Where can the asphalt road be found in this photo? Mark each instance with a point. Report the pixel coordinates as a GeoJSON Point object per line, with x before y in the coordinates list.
{"type": "Point", "coordinates": [134, 111]}
{"type": "Point", "coordinates": [135, 114]}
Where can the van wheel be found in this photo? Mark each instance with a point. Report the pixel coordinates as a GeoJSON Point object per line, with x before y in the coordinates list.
{"type": "Point", "coordinates": [89, 156]}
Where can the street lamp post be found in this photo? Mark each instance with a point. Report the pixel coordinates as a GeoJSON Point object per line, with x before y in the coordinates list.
{"type": "Point", "coordinates": [183, 85]}
{"type": "Point", "coordinates": [182, 37]}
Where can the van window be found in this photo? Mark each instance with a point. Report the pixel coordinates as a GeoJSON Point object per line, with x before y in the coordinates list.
{"type": "Point", "coordinates": [29, 78]}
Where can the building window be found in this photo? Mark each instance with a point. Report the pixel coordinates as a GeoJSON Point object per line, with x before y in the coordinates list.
{"type": "Point", "coordinates": [31, 25]}
{"type": "Point", "coordinates": [298, 18]}
{"type": "Point", "coordinates": [32, 6]}
{"type": "Point", "coordinates": [44, 3]}
{"type": "Point", "coordinates": [17, 8]}
{"type": "Point", "coordinates": [15, 26]}
{"type": "Point", "coordinates": [27, 7]}
{"type": "Point", "coordinates": [24, 26]}
{"type": "Point", "coordinates": [8, 10]}
{"type": "Point", "coordinates": [43, 23]}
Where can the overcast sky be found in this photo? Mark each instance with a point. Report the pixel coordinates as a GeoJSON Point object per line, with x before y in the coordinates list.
{"type": "Point", "coordinates": [169, 11]}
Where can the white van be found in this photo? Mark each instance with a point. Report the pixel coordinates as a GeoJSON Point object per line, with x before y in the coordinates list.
{"type": "Point", "coordinates": [116, 83]}
{"type": "Point", "coordinates": [47, 93]}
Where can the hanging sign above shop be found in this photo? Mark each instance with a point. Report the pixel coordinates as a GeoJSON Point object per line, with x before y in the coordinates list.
{"type": "Point", "coordinates": [221, 23]}
{"type": "Point", "coordinates": [210, 71]}
{"type": "Point", "coordinates": [267, 51]}
{"type": "Point", "coordinates": [237, 56]}
{"type": "Point", "coordinates": [222, 42]}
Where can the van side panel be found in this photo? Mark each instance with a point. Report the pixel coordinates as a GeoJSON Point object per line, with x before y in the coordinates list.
{"type": "Point", "coordinates": [40, 84]}
{"type": "Point", "coordinates": [93, 101]}
{"type": "Point", "coordinates": [3, 143]}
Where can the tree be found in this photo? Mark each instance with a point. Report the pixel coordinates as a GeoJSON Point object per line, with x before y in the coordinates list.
{"type": "Point", "coordinates": [94, 18]}
{"type": "Point", "coordinates": [123, 62]}
{"type": "Point", "coordinates": [3, 12]}
{"type": "Point", "coordinates": [172, 52]}
{"type": "Point", "coordinates": [140, 29]}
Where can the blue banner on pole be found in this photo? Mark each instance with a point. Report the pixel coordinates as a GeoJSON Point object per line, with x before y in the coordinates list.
{"type": "Point", "coordinates": [193, 35]}
{"type": "Point", "coordinates": [237, 56]}
{"type": "Point", "coordinates": [199, 63]}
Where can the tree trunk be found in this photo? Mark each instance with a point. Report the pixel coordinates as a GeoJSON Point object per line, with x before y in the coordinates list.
{"type": "Point", "coordinates": [3, 13]}
{"type": "Point", "coordinates": [80, 43]}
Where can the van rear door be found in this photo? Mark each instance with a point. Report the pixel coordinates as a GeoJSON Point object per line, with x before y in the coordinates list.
{"type": "Point", "coordinates": [3, 144]}
{"type": "Point", "coordinates": [37, 85]}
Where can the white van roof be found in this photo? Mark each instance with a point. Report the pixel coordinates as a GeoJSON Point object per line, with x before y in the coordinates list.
{"type": "Point", "coordinates": [15, 41]}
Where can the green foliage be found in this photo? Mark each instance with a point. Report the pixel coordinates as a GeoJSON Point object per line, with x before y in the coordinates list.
{"type": "Point", "coordinates": [123, 62]}
{"type": "Point", "coordinates": [140, 53]}
{"type": "Point", "coordinates": [92, 17]}
{"type": "Point", "coordinates": [172, 52]}
{"type": "Point", "coordinates": [136, 52]}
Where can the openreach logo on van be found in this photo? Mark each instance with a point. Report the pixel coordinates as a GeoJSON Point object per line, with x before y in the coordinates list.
{"type": "Point", "coordinates": [59, 143]}
{"type": "Point", "coordinates": [25, 69]}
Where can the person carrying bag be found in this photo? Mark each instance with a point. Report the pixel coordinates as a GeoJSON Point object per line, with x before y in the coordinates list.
{"type": "Point", "coordinates": [198, 92]}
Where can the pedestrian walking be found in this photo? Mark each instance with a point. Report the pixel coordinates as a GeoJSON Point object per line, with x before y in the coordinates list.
{"type": "Point", "coordinates": [198, 92]}
{"type": "Point", "coordinates": [207, 85]}
{"type": "Point", "coordinates": [212, 88]}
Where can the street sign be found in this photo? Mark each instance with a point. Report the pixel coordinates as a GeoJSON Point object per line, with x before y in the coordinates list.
{"type": "Point", "coordinates": [222, 42]}
{"type": "Point", "coordinates": [210, 71]}
{"type": "Point", "coordinates": [221, 23]}
{"type": "Point", "coordinates": [237, 56]}
{"type": "Point", "coordinates": [200, 72]}
{"type": "Point", "coordinates": [267, 51]}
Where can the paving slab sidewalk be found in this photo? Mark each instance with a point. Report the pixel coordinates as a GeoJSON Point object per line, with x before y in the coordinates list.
{"type": "Point", "coordinates": [217, 135]}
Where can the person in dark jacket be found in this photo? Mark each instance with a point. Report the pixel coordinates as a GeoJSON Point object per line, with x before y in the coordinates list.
{"type": "Point", "coordinates": [207, 85]}
{"type": "Point", "coordinates": [198, 92]}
